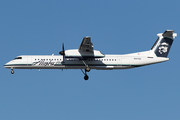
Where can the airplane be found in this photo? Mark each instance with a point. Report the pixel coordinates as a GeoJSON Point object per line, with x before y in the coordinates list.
{"type": "Point", "coordinates": [86, 58]}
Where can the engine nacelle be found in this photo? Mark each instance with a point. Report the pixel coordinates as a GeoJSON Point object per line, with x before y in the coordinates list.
{"type": "Point", "coordinates": [74, 53]}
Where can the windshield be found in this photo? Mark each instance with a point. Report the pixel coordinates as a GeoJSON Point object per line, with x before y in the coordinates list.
{"type": "Point", "coordinates": [17, 58]}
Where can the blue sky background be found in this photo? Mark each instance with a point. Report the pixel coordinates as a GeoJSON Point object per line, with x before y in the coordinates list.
{"type": "Point", "coordinates": [39, 27]}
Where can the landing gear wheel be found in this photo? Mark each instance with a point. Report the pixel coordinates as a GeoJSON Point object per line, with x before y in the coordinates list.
{"type": "Point", "coordinates": [12, 71]}
{"type": "Point", "coordinates": [86, 77]}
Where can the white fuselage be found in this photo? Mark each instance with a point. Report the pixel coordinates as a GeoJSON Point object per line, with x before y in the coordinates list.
{"type": "Point", "coordinates": [87, 58]}
{"type": "Point", "coordinates": [107, 62]}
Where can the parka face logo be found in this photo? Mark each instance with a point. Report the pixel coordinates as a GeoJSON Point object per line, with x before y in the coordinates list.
{"type": "Point", "coordinates": [163, 47]}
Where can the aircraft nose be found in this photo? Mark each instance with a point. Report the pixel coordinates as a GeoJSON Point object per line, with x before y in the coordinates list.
{"type": "Point", "coordinates": [7, 65]}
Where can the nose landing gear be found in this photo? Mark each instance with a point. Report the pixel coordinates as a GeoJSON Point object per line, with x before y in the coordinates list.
{"type": "Point", "coordinates": [12, 71]}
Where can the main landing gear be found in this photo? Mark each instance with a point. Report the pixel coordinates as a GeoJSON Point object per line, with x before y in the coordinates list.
{"type": "Point", "coordinates": [87, 69]}
{"type": "Point", "coordinates": [86, 77]}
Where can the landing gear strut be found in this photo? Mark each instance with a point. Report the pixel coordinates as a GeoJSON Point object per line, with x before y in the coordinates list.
{"type": "Point", "coordinates": [87, 69]}
{"type": "Point", "coordinates": [12, 71]}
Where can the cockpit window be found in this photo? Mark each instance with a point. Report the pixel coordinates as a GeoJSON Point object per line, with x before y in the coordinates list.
{"type": "Point", "coordinates": [17, 58]}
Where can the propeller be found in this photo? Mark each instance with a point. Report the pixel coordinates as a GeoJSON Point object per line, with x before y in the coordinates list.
{"type": "Point", "coordinates": [62, 52]}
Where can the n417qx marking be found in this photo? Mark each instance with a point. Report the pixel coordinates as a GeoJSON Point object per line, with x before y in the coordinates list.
{"type": "Point", "coordinates": [87, 58]}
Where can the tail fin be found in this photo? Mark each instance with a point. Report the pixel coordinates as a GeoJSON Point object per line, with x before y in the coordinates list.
{"type": "Point", "coordinates": [163, 44]}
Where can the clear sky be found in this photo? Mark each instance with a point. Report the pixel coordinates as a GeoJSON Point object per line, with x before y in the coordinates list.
{"type": "Point", "coordinates": [39, 27]}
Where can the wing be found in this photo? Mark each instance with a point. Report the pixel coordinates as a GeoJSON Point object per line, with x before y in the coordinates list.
{"type": "Point", "coordinates": [85, 51]}
{"type": "Point", "coordinates": [86, 45]}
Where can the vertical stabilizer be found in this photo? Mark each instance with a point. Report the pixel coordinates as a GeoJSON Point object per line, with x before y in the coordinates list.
{"type": "Point", "coordinates": [163, 44]}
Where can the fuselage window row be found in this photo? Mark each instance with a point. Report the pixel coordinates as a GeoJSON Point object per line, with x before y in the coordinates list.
{"type": "Point", "coordinates": [76, 59]}
{"type": "Point", "coordinates": [48, 59]}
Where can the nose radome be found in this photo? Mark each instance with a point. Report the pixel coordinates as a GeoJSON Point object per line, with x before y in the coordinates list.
{"type": "Point", "coordinates": [7, 64]}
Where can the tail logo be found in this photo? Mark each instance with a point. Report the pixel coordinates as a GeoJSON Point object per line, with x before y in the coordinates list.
{"type": "Point", "coordinates": [163, 47]}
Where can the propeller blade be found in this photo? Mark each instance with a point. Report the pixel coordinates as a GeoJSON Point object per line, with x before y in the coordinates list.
{"type": "Point", "coordinates": [62, 52]}
{"type": "Point", "coordinates": [63, 47]}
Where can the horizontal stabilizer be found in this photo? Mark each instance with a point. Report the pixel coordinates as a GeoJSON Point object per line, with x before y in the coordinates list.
{"type": "Point", "coordinates": [168, 33]}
